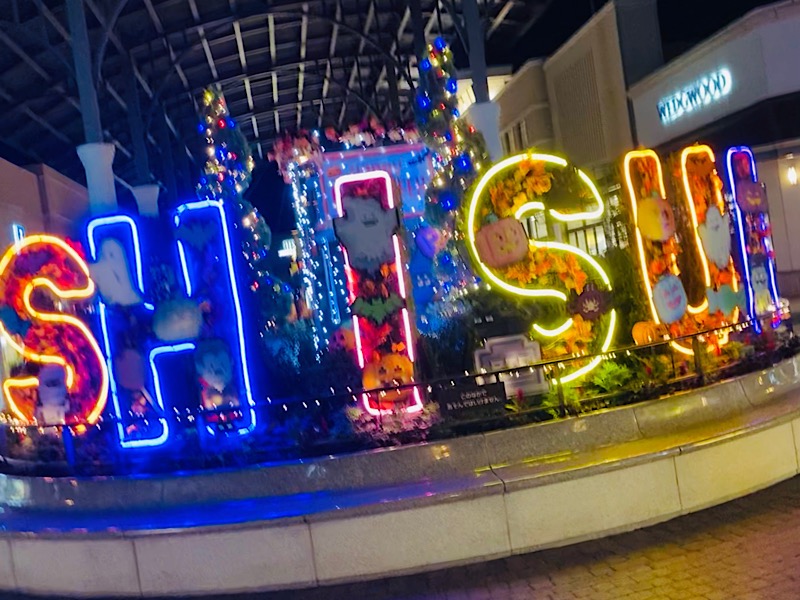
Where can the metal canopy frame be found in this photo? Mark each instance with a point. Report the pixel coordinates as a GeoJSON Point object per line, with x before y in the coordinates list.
{"type": "Point", "coordinates": [281, 64]}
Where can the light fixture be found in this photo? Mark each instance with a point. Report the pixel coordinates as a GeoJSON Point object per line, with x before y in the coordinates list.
{"type": "Point", "coordinates": [791, 175]}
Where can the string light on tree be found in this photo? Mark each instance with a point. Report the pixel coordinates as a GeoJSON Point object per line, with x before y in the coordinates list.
{"type": "Point", "coordinates": [226, 175]}
{"type": "Point", "coordinates": [460, 153]}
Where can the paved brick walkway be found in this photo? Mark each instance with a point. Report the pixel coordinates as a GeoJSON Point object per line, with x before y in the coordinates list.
{"type": "Point", "coordinates": [744, 550]}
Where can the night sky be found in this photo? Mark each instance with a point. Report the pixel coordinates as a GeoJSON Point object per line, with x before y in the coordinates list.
{"type": "Point", "coordinates": [684, 23]}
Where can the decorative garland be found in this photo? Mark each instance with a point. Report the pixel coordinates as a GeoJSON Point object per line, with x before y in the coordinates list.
{"type": "Point", "coordinates": [307, 145]}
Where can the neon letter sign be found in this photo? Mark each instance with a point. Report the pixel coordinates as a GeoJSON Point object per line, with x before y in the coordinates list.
{"type": "Point", "coordinates": [367, 229]}
{"type": "Point", "coordinates": [658, 247]}
{"type": "Point", "coordinates": [706, 90]}
{"type": "Point", "coordinates": [44, 262]}
{"type": "Point", "coordinates": [505, 257]}
{"type": "Point", "coordinates": [141, 402]}
{"type": "Point", "coordinates": [753, 231]}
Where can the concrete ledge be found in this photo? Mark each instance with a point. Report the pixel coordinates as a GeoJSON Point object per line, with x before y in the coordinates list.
{"type": "Point", "coordinates": [629, 468]}
{"type": "Point", "coordinates": [436, 461]}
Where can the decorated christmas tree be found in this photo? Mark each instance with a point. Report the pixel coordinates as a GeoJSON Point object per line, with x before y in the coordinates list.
{"type": "Point", "coordinates": [459, 157]}
{"type": "Point", "coordinates": [461, 151]}
{"type": "Point", "coordinates": [226, 175]}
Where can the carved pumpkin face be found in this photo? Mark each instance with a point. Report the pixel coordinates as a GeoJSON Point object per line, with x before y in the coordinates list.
{"type": "Point", "coordinates": [656, 220]}
{"type": "Point", "coordinates": [501, 243]}
{"type": "Point", "coordinates": [343, 339]}
{"type": "Point", "coordinates": [390, 370]}
{"type": "Point", "coordinates": [397, 369]}
{"type": "Point", "coordinates": [370, 378]}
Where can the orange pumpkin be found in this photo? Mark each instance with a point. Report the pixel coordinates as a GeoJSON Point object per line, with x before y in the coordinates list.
{"type": "Point", "coordinates": [647, 332]}
{"type": "Point", "coordinates": [389, 371]}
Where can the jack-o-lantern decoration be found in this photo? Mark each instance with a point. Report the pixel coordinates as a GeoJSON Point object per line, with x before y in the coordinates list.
{"type": "Point", "coordinates": [502, 243]}
{"type": "Point", "coordinates": [390, 371]}
{"type": "Point", "coordinates": [648, 332]}
{"type": "Point", "coordinates": [656, 219]}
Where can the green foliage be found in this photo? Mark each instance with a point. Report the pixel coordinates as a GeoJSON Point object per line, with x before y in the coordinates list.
{"type": "Point", "coordinates": [610, 376]}
{"type": "Point", "coordinates": [226, 174]}
{"type": "Point", "coordinates": [570, 392]}
{"type": "Point", "coordinates": [294, 369]}
{"type": "Point", "coordinates": [733, 351]}
{"type": "Point", "coordinates": [567, 190]}
{"type": "Point", "coordinates": [449, 351]}
{"type": "Point", "coordinates": [628, 294]}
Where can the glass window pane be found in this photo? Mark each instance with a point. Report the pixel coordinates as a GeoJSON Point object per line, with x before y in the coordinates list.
{"type": "Point", "coordinates": [591, 242]}
{"type": "Point", "coordinates": [602, 246]}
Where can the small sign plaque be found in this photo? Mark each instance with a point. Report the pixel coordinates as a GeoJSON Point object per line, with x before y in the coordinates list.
{"type": "Point", "coordinates": [470, 401]}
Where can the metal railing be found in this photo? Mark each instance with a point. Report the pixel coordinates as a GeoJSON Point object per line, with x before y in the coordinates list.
{"type": "Point", "coordinates": [327, 424]}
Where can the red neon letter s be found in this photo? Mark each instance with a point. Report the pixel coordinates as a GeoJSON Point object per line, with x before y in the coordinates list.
{"type": "Point", "coordinates": [51, 336]}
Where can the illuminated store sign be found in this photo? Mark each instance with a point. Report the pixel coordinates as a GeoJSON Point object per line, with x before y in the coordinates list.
{"type": "Point", "coordinates": [706, 90]}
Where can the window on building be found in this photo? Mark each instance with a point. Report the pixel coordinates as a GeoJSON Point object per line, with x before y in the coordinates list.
{"type": "Point", "coordinates": [519, 144]}
{"type": "Point", "coordinates": [536, 226]}
{"type": "Point", "coordinates": [589, 237]}
{"type": "Point", "coordinates": [523, 135]}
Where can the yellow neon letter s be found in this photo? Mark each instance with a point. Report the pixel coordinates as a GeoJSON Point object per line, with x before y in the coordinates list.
{"type": "Point", "coordinates": [532, 176]}
{"type": "Point", "coordinates": [48, 263]}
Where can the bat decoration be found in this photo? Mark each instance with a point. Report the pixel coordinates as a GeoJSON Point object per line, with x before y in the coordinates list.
{"type": "Point", "coordinates": [377, 309]}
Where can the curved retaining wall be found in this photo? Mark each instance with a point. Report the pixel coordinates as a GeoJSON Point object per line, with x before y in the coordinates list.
{"type": "Point", "coordinates": [402, 510]}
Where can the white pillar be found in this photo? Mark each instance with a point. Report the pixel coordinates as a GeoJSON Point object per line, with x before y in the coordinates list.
{"type": "Point", "coordinates": [147, 199]}
{"type": "Point", "coordinates": [485, 116]}
{"type": "Point", "coordinates": [97, 161]}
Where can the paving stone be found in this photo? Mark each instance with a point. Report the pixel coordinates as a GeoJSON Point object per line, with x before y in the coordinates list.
{"type": "Point", "coordinates": [743, 550]}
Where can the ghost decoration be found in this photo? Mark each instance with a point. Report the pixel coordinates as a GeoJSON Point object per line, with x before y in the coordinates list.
{"type": "Point", "coordinates": [366, 231]}
{"type": "Point", "coordinates": [177, 320]}
{"type": "Point", "coordinates": [502, 243]}
{"type": "Point", "coordinates": [724, 300]}
{"type": "Point", "coordinates": [53, 404]}
{"type": "Point", "coordinates": [112, 275]}
{"type": "Point", "coordinates": [760, 283]}
{"type": "Point", "coordinates": [214, 367]}
{"type": "Point", "coordinates": [655, 219]}
{"type": "Point", "coordinates": [716, 237]}
{"type": "Point", "coordinates": [670, 299]}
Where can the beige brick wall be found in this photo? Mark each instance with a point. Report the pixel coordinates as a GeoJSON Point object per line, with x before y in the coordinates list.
{"type": "Point", "coordinates": [19, 201]}
{"type": "Point", "coordinates": [524, 101]}
{"type": "Point", "coordinates": [585, 83]}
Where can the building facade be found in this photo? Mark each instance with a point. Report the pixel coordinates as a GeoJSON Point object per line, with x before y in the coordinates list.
{"type": "Point", "coordinates": [739, 87]}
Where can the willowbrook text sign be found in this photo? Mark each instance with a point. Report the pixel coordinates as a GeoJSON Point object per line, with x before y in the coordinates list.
{"type": "Point", "coordinates": [706, 90]}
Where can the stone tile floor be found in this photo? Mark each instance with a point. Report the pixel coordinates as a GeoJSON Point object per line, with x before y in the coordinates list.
{"type": "Point", "coordinates": [748, 549]}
